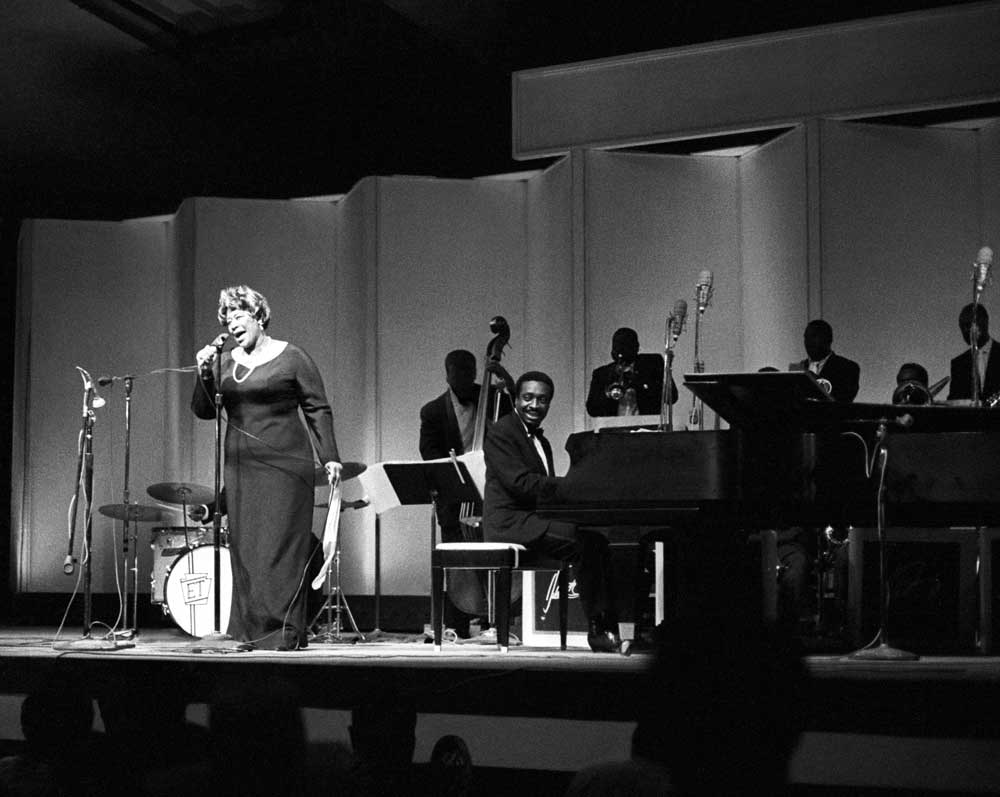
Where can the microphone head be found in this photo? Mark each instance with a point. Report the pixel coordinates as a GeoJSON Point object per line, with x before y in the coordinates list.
{"type": "Point", "coordinates": [104, 381]}
{"type": "Point", "coordinates": [219, 341]}
{"type": "Point", "coordinates": [97, 402]}
{"type": "Point", "coordinates": [704, 278]}
{"type": "Point", "coordinates": [680, 310]}
{"type": "Point", "coordinates": [984, 257]}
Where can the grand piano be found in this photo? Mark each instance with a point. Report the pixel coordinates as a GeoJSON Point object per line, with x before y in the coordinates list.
{"type": "Point", "coordinates": [790, 457]}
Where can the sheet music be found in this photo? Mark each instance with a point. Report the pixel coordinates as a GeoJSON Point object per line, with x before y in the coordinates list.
{"type": "Point", "coordinates": [383, 497]}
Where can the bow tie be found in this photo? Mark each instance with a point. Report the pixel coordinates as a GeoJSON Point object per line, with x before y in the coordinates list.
{"type": "Point", "coordinates": [536, 432]}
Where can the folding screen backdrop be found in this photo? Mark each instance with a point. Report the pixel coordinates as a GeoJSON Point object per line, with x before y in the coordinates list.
{"type": "Point", "coordinates": [873, 228]}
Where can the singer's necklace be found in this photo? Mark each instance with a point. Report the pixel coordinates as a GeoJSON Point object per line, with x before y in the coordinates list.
{"type": "Point", "coordinates": [261, 354]}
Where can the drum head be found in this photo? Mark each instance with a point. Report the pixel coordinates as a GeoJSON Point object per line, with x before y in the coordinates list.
{"type": "Point", "coordinates": [190, 593]}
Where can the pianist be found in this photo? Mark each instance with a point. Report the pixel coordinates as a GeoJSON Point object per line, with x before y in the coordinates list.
{"type": "Point", "coordinates": [519, 471]}
{"type": "Point", "coordinates": [631, 384]}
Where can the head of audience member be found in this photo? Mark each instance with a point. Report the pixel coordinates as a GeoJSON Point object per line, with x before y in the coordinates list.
{"type": "Point", "coordinates": [818, 339]}
{"type": "Point", "coordinates": [258, 741]}
{"type": "Point", "coordinates": [56, 718]}
{"type": "Point", "coordinates": [624, 345]}
{"type": "Point", "coordinates": [460, 373]}
{"type": "Point", "coordinates": [911, 385]}
{"type": "Point", "coordinates": [532, 396]}
{"type": "Point", "coordinates": [982, 324]}
{"type": "Point", "coordinates": [723, 710]}
{"type": "Point", "coordinates": [383, 731]}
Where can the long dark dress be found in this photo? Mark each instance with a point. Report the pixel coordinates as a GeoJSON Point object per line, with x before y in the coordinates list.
{"type": "Point", "coordinates": [269, 484]}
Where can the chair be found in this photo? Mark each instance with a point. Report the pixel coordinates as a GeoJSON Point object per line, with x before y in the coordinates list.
{"type": "Point", "coordinates": [501, 559]}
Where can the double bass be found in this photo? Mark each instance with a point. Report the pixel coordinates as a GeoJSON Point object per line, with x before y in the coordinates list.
{"type": "Point", "coordinates": [465, 588]}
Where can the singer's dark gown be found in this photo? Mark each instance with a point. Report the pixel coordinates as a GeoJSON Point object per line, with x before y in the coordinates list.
{"type": "Point", "coordinates": [269, 483]}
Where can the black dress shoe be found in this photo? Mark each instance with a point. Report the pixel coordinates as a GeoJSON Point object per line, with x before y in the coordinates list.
{"type": "Point", "coordinates": [601, 640]}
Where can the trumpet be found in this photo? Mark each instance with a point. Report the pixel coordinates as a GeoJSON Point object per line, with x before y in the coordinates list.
{"type": "Point", "coordinates": [622, 381]}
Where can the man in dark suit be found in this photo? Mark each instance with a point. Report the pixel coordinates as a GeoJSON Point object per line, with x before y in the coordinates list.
{"type": "Point", "coordinates": [519, 472]}
{"type": "Point", "coordinates": [843, 376]}
{"type": "Point", "coordinates": [631, 384]}
{"type": "Point", "coordinates": [960, 386]}
{"type": "Point", "coordinates": [447, 424]}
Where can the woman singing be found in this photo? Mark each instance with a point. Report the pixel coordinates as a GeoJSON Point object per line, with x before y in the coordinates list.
{"type": "Point", "coordinates": [269, 469]}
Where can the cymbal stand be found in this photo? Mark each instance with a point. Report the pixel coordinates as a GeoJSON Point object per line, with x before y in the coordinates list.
{"type": "Point", "coordinates": [333, 606]}
{"type": "Point", "coordinates": [879, 648]}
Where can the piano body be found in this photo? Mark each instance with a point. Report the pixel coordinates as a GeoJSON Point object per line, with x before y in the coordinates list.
{"type": "Point", "coordinates": [791, 457]}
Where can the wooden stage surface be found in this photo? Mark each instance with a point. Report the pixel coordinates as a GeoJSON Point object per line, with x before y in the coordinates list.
{"type": "Point", "coordinates": [939, 696]}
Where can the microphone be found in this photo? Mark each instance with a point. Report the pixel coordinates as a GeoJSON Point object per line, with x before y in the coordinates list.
{"type": "Point", "coordinates": [981, 268]}
{"type": "Point", "coordinates": [676, 319]}
{"type": "Point", "coordinates": [704, 290]}
{"type": "Point", "coordinates": [217, 344]}
{"type": "Point", "coordinates": [68, 565]}
{"type": "Point", "coordinates": [88, 385]}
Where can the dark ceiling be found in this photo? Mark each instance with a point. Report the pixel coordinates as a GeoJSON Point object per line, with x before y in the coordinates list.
{"type": "Point", "coordinates": [122, 108]}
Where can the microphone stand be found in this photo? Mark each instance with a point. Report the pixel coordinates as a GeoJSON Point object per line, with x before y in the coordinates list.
{"type": "Point", "coordinates": [976, 382]}
{"type": "Point", "coordinates": [666, 405]}
{"type": "Point", "coordinates": [217, 641]}
{"type": "Point", "coordinates": [85, 468]}
{"type": "Point", "coordinates": [879, 649]}
{"type": "Point", "coordinates": [696, 417]}
{"type": "Point", "coordinates": [128, 530]}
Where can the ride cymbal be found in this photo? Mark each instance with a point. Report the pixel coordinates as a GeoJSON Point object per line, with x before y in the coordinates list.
{"type": "Point", "coordinates": [138, 513]}
{"type": "Point", "coordinates": [181, 493]}
{"type": "Point", "coordinates": [348, 471]}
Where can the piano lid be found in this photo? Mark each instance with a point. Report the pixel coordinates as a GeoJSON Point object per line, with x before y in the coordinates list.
{"type": "Point", "coordinates": [769, 399]}
{"type": "Point", "coordinates": [794, 401]}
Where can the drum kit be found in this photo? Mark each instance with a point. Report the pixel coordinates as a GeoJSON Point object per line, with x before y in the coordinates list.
{"type": "Point", "coordinates": [183, 556]}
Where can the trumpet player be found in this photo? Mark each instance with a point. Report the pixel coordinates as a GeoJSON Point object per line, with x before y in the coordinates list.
{"type": "Point", "coordinates": [631, 384]}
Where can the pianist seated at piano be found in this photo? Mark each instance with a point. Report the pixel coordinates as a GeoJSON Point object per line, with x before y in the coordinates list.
{"type": "Point", "coordinates": [631, 384]}
{"type": "Point", "coordinates": [519, 472]}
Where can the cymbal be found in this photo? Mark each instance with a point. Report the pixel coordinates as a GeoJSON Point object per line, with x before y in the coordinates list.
{"type": "Point", "coordinates": [348, 471]}
{"type": "Point", "coordinates": [181, 493]}
{"type": "Point", "coordinates": [138, 512]}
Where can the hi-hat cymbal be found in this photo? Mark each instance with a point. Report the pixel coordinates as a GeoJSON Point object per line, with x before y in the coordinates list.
{"type": "Point", "coordinates": [348, 471]}
{"type": "Point", "coordinates": [181, 493]}
{"type": "Point", "coordinates": [138, 513]}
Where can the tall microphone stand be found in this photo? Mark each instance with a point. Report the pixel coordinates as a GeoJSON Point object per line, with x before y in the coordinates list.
{"type": "Point", "coordinates": [696, 418]}
{"type": "Point", "coordinates": [129, 540]}
{"type": "Point", "coordinates": [666, 405]}
{"type": "Point", "coordinates": [880, 649]}
{"type": "Point", "coordinates": [85, 472]}
{"type": "Point", "coordinates": [218, 640]}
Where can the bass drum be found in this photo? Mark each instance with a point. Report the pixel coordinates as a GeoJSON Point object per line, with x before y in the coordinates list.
{"type": "Point", "coordinates": [190, 593]}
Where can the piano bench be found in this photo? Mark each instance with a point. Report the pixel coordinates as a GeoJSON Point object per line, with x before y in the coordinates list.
{"type": "Point", "coordinates": [500, 560]}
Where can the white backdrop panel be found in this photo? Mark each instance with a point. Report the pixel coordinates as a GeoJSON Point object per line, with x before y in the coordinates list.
{"type": "Point", "coordinates": [652, 224]}
{"type": "Point", "coordinates": [96, 290]}
{"type": "Point", "coordinates": [900, 229]}
{"type": "Point", "coordinates": [451, 256]}
{"type": "Point", "coordinates": [775, 251]}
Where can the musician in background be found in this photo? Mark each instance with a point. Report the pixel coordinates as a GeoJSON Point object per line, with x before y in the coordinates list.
{"type": "Point", "coordinates": [960, 387]}
{"type": "Point", "coordinates": [631, 384]}
{"type": "Point", "coordinates": [842, 375]}
{"type": "Point", "coordinates": [448, 423]}
{"type": "Point", "coordinates": [519, 472]}
{"type": "Point", "coordinates": [912, 385]}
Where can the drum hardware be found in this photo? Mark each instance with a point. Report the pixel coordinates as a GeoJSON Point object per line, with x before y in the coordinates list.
{"type": "Point", "coordinates": [348, 471]}
{"type": "Point", "coordinates": [335, 603]}
{"type": "Point", "coordinates": [181, 493]}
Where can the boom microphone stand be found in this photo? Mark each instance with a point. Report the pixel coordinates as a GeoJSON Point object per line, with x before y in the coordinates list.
{"type": "Point", "coordinates": [85, 473]}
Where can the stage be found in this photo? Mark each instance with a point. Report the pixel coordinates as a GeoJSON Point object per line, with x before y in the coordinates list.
{"type": "Point", "coordinates": [925, 726]}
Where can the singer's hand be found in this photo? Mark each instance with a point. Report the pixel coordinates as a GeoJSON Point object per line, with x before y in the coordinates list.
{"type": "Point", "coordinates": [333, 471]}
{"type": "Point", "coordinates": [205, 356]}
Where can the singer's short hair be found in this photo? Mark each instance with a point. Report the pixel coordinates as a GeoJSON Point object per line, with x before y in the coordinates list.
{"type": "Point", "coordinates": [534, 376]}
{"type": "Point", "coordinates": [243, 297]}
{"type": "Point", "coordinates": [965, 317]}
{"type": "Point", "coordinates": [459, 357]}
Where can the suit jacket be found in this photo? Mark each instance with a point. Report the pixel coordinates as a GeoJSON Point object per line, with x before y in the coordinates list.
{"type": "Point", "coordinates": [843, 374]}
{"type": "Point", "coordinates": [647, 379]}
{"type": "Point", "coordinates": [960, 386]}
{"type": "Point", "coordinates": [515, 481]}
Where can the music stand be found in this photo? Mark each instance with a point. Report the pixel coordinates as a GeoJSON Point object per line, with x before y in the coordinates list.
{"type": "Point", "coordinates": [436, 481]}
{"type": "Point", "coordinates": [761, 399]}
